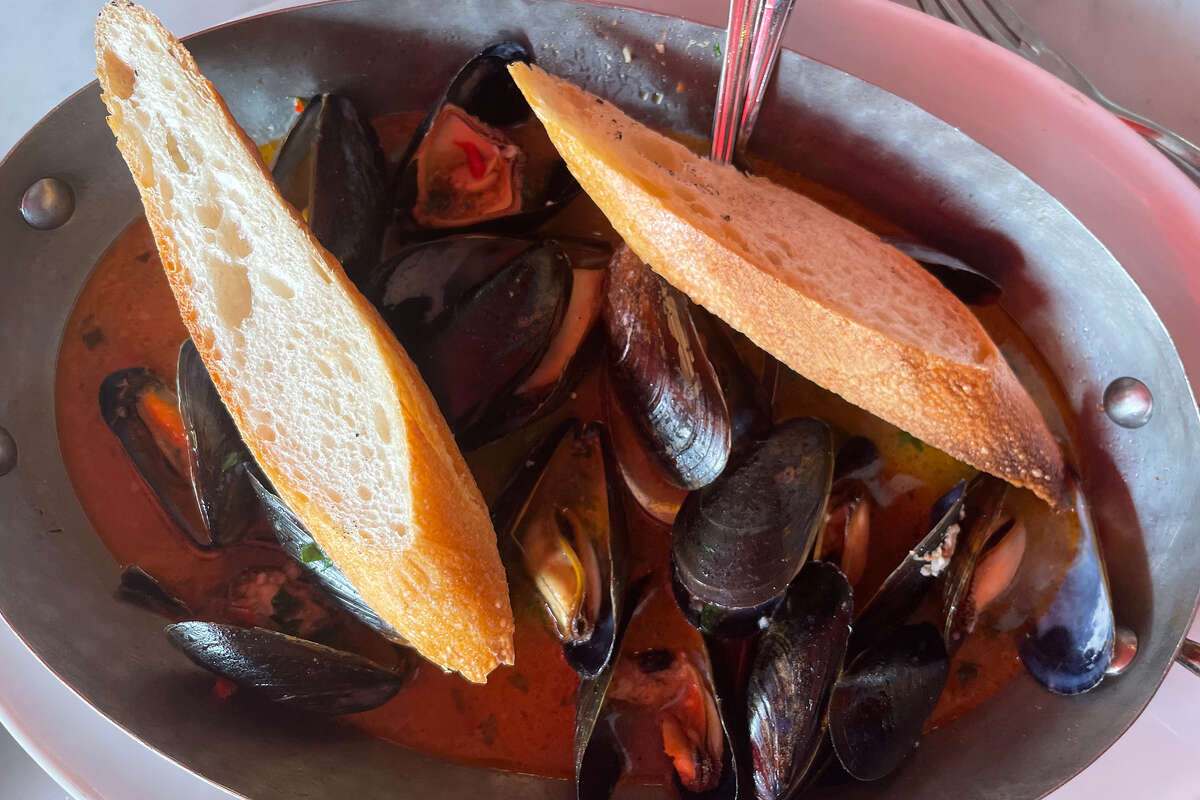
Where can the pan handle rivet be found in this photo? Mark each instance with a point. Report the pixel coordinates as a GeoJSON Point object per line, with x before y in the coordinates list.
{"type": "Point", "coordinates": [1128, 402]}
{"type": "Point", "coordinates": [8, 452]}
{"type": "Point", "coordinates": [47, 203]}
{"type": "Point", "coordinates": [1125, 648]}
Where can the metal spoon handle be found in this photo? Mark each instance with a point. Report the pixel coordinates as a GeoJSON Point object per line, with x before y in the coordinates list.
{"type": "Point", "coordinates": [752, 40]}
{"type": "Point", "coordinates": [1189, 655]}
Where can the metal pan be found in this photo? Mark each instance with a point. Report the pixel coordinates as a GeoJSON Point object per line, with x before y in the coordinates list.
{"type": "Point", "coordinates": [1081, 309]}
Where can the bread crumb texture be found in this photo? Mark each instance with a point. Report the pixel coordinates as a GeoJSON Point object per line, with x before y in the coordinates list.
{"type": "Point", "coordinates": [826, 297]}
{"type": "Point", "coordinates": [327, 401]}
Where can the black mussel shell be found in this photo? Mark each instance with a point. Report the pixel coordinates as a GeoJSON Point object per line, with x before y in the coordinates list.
{"type": "Point", "coordinates": [905, 588]}
{"type": "Point", "coordinates": [141, 588]}
{"type": "Point", "coordinates": [158, 453]}
{"type": "Point", "coordinates": [739, 542]}
{"type": "Point", "coordinates": [294, 672]}
{"type": "Point", "coordinates": [858, 453]}
{"type": "Point", "coordinates": [576, 496]}
{"type": "Point", "coordinates": [1071, 644]}
{"type": "Point", "coordinates": [746, 398]}
{"type": "Point", "coordinates": [798, 661]}
{"type": "Point", "coordinates": [477, 314]}
{"type": "Point", "coordinates": [981, 524]}
{"type": "Point", "coordinates": [883, 698]}
{"type": "Point", "coordinates": [331, 168]}
{"type": "Point", "coordinates": [484, 93]}
{"type": "Point", "coordinates": [298, 543]}
{"type": "Point", "coordinates": [967, 283]}
{"type": "Point", "coordinates": [661, 375]}
{"type": "Point", "coordinates": [218, 456]}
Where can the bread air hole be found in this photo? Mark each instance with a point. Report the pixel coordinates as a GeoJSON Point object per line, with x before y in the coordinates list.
{"type": "Point", "coordinates": [230, 239]}
{"type": "Point", "coordinates": [121, 77]}
{"type": "Point", "coordinates": [281, 289]}
{"type": "Point", "coordinates": [181, 163]}
{"type": "Point", "coordinates": [233, 294]}
{"type": "Point", "coordinates": [209, 215]}
{"type": "Point", "coordinates": [382, 426]}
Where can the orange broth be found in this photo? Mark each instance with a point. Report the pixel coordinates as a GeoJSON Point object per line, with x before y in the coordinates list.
{"type": "Point", "coordinates": [522, 719]}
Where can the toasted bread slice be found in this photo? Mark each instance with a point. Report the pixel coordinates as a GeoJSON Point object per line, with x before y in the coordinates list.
{"type": "Point", "coordinates": [821, 294]}
{"type": "Point", "coordinates": [327, 400]}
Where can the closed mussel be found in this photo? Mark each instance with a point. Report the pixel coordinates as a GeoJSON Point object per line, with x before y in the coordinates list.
{"type": "Point", "coordinates": [331, 169]}
{"type": "Point", "coordinates": [739, 542]}
{"type": "Point", "coordinates": [287, 670]}
{"type": "Point", "coordinates": [798, 660]}
{"type": "Point", "coordinates": [661, 376]}
{"type": "Point", "coordinates": [479, 160]}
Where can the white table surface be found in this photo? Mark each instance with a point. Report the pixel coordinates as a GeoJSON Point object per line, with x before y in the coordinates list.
{"type": "Point", "coordinates": [1145, 54]}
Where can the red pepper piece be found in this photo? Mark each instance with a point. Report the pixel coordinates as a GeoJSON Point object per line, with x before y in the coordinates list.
{"type": "Point", "coordinates": [223, 688]}
{"type": "Point", "coordinates": [474, 159]}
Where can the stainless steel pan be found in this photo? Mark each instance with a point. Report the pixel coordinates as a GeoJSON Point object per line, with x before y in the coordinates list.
{"type": "Point", "coordinates": [1082, 310]}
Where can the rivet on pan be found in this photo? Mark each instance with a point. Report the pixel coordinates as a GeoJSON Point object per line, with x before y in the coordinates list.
{"type": "Point", "coordinates": [1128, 402]}
{"type": "Point", "coordinates": [1125, 648]}
{"type": "Point", "coordinates": [47, 203]}
{"type": "Point", "coordinates": [8, 452]}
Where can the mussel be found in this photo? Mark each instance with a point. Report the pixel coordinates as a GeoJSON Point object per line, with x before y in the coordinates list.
{"type": "Point", "coordinates": [882, 699]}
{"type": "Point", "coordinates": [570, 533]}
{"type": "Point", "coordinates": [331, 169]}
{"type": "Point", "coordinates": [747, 399]}
{"type": "Point", "coordinates": [144, 415]}
{"type": "Point", "coordinates": [218, 458]}
{"type": "Point", "coordinates": [1071, 644]}
{"type": "Point", "coordinates": [495, 324]}
{"type": "Point", "coordinates": [967, 283]}
{"type": "Point", "coordinates": [798, 660]}
{"type": "Point", "coordinates": [677, 689]}
{"type": "Point", "coordinates": [846, 535]}
{"type": "Point", "coordinates": [479, 160]}
{"type": "Point", "coordinates": [738, 542]}
{"type": "Point", "coordinates": [661, 375]}
{"type": "Point", "coordinates": [906, 586]}
{"type": "Point", "coordinates": [284, 669]}
{"type": "Point", "coordinates": [141, 588]}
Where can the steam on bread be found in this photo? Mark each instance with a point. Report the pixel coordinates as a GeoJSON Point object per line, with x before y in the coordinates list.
{"type": "Point", "coordinates": [821, 294]}
{"type": "Point", "coordinates": [326, 399]}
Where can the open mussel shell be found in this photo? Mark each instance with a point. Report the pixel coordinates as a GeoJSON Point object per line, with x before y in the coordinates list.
{"type": "Point", "coordinates": [882, 699]}
{"type": "Point", "coordinates": [144, 415]}
{"type": "Point", "coordinates": [217, 455]}
{"type": "Point", "coordinates": [284, 669]}
{"type": "Point", "coordinates": [570, 532]}
{"type": "Point", "coordinates": [479, 160]}
{"type": "Point", "coordinates": [739, 542]}
{"type": "Point", "coordinates": [984, 523]}
{"type": "Point", "coordinates": [477, 314]}
{"type": "Point", "coordinates": [967, 283]}
{"type": "Point", "coordinates": [1071, 644]}
{"type": "Point", "coordinates": [298, 543]}
{"type": "Point", "coordinates": [798, 660]}
{"type": "Point", "coordinates": [661, 375]}
{"type": "Point", "coordinates": [904, 589]}
{"type": "Point", "coordinates": [331, 168]}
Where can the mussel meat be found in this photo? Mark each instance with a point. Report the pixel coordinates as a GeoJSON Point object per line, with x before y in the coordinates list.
{"type": "Point", "coordinates": [661, 375]}
{"type": "Point", "coordinates": [571, 537]}
{"type": "Point", "coordinates": [739, 542]}
{"type": "Point", "coordinates": [479, 159]}
{"type": "Point", "coordinates": [331, 168]}
{"type": "Point", "coordinates": [284, 669]}
{"type": "Point", "coordinates": [882, 699]}
{"type": "Point", "coordinates": [144, 415]}
{"type": "Point", "coordinates": [967, 283]}
{"type": "Point", "coordinates": [798, 660]}
{"type": "Point", "coordinates": [1071, 644]}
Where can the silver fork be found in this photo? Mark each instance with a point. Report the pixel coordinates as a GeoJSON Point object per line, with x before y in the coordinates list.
{"type": "Point", "coordinates": [997, 21]}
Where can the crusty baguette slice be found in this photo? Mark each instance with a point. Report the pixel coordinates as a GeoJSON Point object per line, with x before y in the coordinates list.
{"type": "Point", "coordinates": [326, 399]}
{"type": "Point", "coordinates": [821, 294]}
